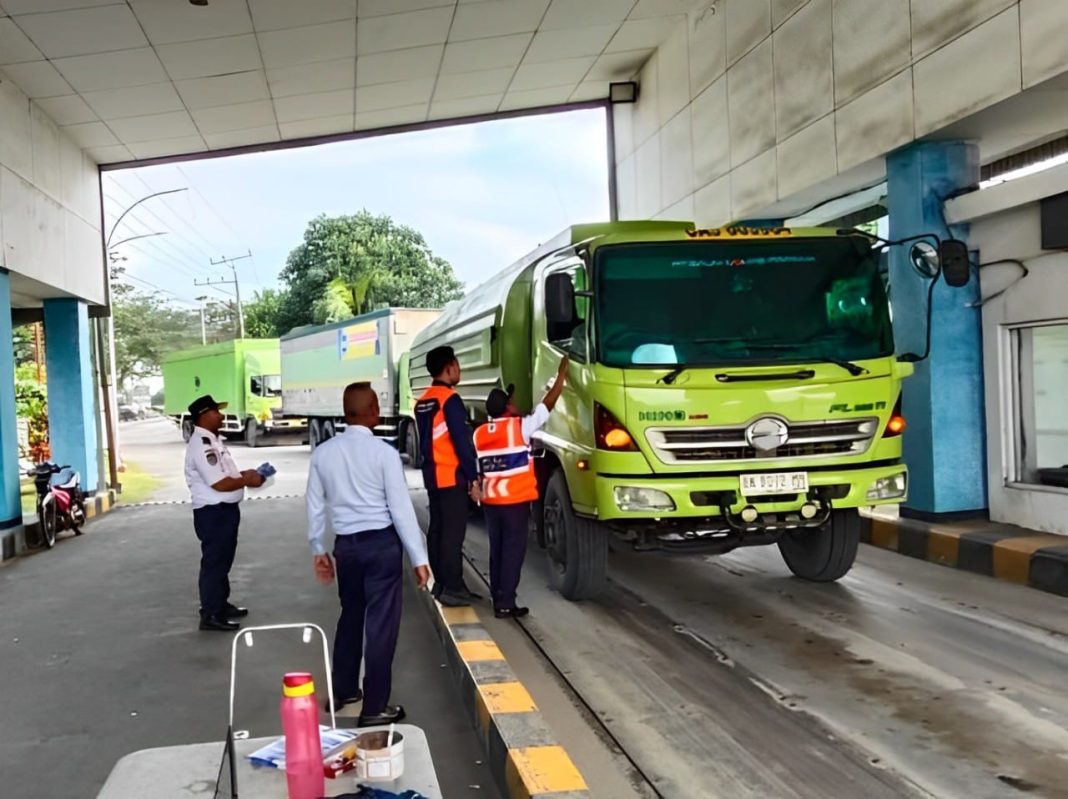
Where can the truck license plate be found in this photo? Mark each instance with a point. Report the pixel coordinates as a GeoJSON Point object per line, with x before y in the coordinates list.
{"type": "Point", "coordinates": [755, 485]}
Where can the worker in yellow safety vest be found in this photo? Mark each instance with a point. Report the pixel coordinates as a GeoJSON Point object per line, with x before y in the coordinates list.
{"type": "Point", "coordinates": [509, 486]}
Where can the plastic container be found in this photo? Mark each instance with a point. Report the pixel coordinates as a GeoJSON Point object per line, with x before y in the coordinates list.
{"type": "Point", "coordinates": [378, 759]}
{"type": "Point", "coordinates": [300, 725]}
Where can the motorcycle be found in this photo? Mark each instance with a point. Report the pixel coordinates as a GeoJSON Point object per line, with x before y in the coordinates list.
{"type": "Point", "coordinates": [60, 500]}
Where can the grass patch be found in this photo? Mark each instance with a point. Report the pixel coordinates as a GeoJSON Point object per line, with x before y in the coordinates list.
{"type": "Point", "coordinates": [137, 484]}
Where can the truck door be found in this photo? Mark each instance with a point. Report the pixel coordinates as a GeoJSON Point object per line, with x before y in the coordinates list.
{"type": "Point", "coordinates": [573, 413]}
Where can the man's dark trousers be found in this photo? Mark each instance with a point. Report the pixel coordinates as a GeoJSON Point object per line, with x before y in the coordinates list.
{"type": "Point", "coordinates": [216, 527]}
{"type": "Point", "coordinates": [445, 538]}
{"type": "Point", "coordinates": [506, 526]}
{"type": "Point", "coordinates": [369, 572]}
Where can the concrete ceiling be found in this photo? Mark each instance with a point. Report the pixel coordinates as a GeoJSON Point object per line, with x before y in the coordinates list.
{"type": "Point", "coordinates": [139, 79]}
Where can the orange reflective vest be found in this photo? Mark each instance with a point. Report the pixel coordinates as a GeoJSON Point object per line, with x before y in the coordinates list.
{"type": "Point", "coordinates": [442, 451]}
{"type": "Point", "coordinates": [505, 463]}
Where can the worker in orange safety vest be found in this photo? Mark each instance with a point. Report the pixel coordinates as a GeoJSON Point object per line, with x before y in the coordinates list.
{"type": "Point", "coordinates": [509, 486]}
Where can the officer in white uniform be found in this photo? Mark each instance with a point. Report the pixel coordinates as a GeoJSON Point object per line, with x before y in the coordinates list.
{"type": "Point", "coordinates": [217, 487]}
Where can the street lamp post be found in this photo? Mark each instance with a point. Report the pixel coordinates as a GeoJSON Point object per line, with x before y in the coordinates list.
{"type": "Point", "coordinates": [108, 375]}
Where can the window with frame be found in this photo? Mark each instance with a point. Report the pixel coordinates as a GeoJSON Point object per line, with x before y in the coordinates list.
{"type": "Point", "coordinates": [572, 336]}
{"type": "Point", "coordinates": [1041, 423]}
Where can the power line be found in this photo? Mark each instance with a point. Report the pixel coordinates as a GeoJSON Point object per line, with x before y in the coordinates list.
{"type": "Point", "coordinates": [188, 222]}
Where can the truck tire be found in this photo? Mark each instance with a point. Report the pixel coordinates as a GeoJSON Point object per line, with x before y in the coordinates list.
{"type": "Point", "coordinates": [326, 430]}
{"type": "Point", "coordinates": [315, 434]}
{"type": "Point", "coordinates": [411, 446]}
{"type": "Point", "coordinates": [577, 548]}
{"type": "Point", "coordinates": [252, 434]}
{"type": "Point", "coordinates": [187, 429]}
{"type": "Point", "coordinates": [823, 555]}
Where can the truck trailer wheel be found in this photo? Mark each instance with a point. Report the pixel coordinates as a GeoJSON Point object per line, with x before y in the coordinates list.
{"type": "Point", "coordinates": [252, 434]}
{"type": "Point", "coordinates": [577, 548]}
{"type": "Point", "coordinates": [187, 429]}
{"type": "Point", "coordinates": [315, 434]}
{"type": "Point", "coordinates": [825, 554]}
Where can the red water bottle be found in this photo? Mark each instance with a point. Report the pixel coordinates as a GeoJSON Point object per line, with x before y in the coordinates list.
{"type": "Point", "coordinates": [300, 725]}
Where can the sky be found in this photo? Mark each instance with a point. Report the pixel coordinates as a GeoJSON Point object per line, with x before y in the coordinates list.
{"type": "Point", "coordinates": [481, 194]}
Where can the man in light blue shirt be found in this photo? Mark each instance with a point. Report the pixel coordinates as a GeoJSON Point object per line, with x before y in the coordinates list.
{"type": "Point", "coordinates": [359, 479]}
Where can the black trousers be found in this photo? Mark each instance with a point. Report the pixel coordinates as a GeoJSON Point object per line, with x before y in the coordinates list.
{"type": "Point", "coordinates": [216, 527]}
{"type": "Point", "coordinates": [445, 538]}
{"type": "Point", "coordinates": [369, 572]}
{"type": "Point", "coordinates": [507, 527]}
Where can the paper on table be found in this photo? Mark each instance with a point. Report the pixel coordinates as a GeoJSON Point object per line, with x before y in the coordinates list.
{"type": "Point", "coordinates": [273, 755]}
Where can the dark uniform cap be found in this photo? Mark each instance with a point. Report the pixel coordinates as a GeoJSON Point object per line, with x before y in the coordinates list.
{"type": "Point", "coordinates": [205, 403]}
{"type": "Point", "coordinates": [497, 401]}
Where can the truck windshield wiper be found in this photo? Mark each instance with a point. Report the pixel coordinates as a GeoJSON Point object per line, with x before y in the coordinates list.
{"type": "Point", "coordinates": [673, 375]}
{"type": "Point", "coordinates": [849, 366]}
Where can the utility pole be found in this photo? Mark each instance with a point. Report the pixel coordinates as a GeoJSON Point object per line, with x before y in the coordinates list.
{"type": "Point", "coordinates": [237, 287]}
{"type": "Point", "coordinates": [203, 330]}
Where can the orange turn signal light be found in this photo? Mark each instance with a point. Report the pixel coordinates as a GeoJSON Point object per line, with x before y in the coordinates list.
{"type": "Point", "coordinates": [896, 426]}
{"type": "Point", "coordinates": [618, 439]}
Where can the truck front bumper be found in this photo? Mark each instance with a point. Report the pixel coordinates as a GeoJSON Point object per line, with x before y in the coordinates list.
{"type": "Point", "coordinates": [643, 498]}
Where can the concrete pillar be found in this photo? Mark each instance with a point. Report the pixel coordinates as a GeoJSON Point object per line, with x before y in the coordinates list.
{"type": "Point", "coordinates": [71, 408]}
{"type": "Point", "coordinates": [10, 501]}
{"type": "Point", "coordinates": [944, 444]}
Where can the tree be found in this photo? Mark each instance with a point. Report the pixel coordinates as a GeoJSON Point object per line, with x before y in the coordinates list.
{"type": "Point", "coordinates": [349, 265]}
{"type": "Point", "coordinates": [261, 314]}
{"type": "Point", "coordinates": [147, 329]}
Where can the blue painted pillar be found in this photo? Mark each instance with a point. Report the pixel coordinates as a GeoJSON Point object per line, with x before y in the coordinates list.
{"type": "Point", "coordinates": [71, 414]}
{"type": "Point", "coordinates": [944, 444]}
{"type": "Point", "coordinates": [10, 501]}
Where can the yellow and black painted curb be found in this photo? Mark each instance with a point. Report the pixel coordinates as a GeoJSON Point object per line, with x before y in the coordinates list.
{"type": "Point", "coordinates": [14, 541]}
{"type": "Point", "coordinates": [521, 750]}
{"type": "Point", "coordinates": [1004, 551]}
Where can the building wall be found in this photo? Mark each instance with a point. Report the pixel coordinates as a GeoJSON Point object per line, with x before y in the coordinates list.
{"type": "Point", "coordinates": [49, 206]}
{"type": "Point", "coordinates": [751, 102]}
{"type": "Point", "coordinates": [1040, 297]}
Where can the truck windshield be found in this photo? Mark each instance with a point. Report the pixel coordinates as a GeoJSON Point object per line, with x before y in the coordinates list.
{"type": "Point", "coordinates": [272, 385]}
{"type": "Point", "coordinates": [672, 304]}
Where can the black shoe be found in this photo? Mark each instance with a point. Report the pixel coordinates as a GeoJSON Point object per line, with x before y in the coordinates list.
{"type": "Point", "coordinates": [340, 703]}
{"type": "Point", "coordinates": [391, 715]}
{"type": "Point", "coordinates": [451, 600]}
{"type": "Point", "coordinates": [234, 612]}
{"type": "Point", "coordinates": [219, 624]}
{"type": "Point", "coordinates": [471, 595]}
{"type": "Point", "coordinates": [510, 613]}
{"type": "Point", "coordinates": [436, 591]}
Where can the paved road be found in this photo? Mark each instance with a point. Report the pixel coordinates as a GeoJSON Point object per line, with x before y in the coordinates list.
{"type": "Point", "coordinates": [726, 677]}
{"type": "Point", "coordinates": [100, 654]}
{"type": "Point", "coordinates": [156, 446]}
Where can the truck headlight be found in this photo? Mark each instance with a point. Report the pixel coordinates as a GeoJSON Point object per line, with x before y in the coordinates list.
{"type": "Point", "coordinates": [892, 487]}
{"type": "Point", "coordinates": [632, 498]}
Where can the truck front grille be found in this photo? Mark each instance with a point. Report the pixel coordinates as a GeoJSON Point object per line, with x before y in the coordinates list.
{"type": "Point", "coordinates": [824, 439]}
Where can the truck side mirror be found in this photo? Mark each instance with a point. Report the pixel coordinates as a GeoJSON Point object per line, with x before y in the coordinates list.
{"type": "Point", "coordinates": [559, 299]}
{"type": "Point", "coordinates": [956, 267]}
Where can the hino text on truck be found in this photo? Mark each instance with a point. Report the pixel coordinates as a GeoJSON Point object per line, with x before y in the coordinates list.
{"type": "Point", "coordinates": [729, 387]}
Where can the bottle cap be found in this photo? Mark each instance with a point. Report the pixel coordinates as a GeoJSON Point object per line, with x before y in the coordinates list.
{"type": "Point", "coordinates": [298, 683]}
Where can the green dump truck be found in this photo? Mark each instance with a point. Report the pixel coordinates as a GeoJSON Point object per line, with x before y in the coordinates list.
{"type": "Point", "coordinates": [245, 373]}
{"type": "Point", "coordinates": [729, 387]}
{"type": "Point", "coordinates": [318, 362]}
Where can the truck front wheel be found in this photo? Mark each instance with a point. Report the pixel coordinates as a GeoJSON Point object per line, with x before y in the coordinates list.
{"type": "Point", "coordinates": [577, 547]}
{"type": "Point", "coordinates": [825, 554]}
{"type": "Point", "coordinates": [187, 429]}
{"type": "Point", "coordinates": [252, 434]}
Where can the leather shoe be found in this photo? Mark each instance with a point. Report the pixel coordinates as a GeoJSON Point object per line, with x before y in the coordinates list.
{"type": "Point", "coordinates": [234, 612]}
{"type": "Point", "coordinates": [340, 703]}
{"type": "Point", "coordinates": [510, 613]}
{"type": "Point", "coordinates": [391, 715]}
{"type": "Point", "coordinates": [451, 600]}
{"type": "Point", "coordinates": [219, 624]}
{"type": "Point", "coordinates": [471, 594]}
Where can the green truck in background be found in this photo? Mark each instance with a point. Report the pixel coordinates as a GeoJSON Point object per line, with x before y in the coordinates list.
{"type": "Point", "coordinates": [245, 373]}
{"type": "Point", "coordinates": [318, 362]}
{"type": "Point", "coordinates": [729, 387]}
